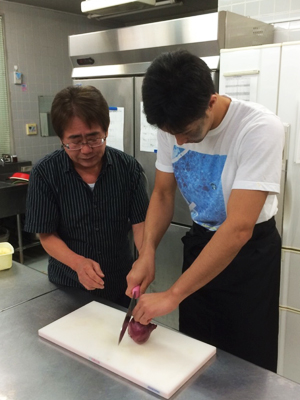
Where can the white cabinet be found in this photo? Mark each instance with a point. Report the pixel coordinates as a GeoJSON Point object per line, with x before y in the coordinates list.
{"type": "Point", "coordinates": [289, 111]}
{"type": "Point", "coordinates": [289, 323]}
{"type": "Point", "coordinates": [251, 73]}
{"type": "Point", "coordinates": [289, 347]}
{"type": "Point", "coordinates": [272, 73]}
{"type": "Point", "coordinates": [290, 280]}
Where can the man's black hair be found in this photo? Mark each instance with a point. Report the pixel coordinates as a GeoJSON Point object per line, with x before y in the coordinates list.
{"type": "Point", "coordinates": [176, 90]}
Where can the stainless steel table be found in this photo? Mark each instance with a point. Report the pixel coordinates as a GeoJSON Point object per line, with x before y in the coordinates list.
{"type": "Point", "coordinates": [32, 368]}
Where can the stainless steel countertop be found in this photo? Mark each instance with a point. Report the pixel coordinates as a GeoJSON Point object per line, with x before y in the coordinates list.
{"type": "Point", "coordinates": [33, 368]}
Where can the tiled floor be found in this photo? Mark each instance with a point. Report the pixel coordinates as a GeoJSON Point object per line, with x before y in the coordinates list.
{"type": "Point", "coordinates": [36, 258]}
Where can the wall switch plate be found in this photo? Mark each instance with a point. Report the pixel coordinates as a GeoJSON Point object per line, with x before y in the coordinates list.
{"type": "Point", "coordinates": [17, 78]}
{"type": "Point", "coordinates": [31, 129]}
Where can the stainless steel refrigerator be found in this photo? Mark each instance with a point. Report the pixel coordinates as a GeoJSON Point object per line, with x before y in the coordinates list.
{"type": "Point", "coordinates": [115, 61]}
{"type": "Point", "coordinates": [125, 93]}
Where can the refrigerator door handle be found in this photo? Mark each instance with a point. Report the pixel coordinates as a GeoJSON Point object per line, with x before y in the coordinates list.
{"type": "Point", "coordinates": [297, 133]}
{"type": "Point", "coordinates": [287, 129]}
{"type": "Point", "coordinates": [240, 73]}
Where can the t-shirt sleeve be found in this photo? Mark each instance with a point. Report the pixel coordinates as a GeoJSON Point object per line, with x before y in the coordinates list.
{"type": "Point", "coordinates": [260, 156]}
{"type": "Point", "coordinates": [42, 215]}
{"type": "Point", "coordinates": [164, 152]}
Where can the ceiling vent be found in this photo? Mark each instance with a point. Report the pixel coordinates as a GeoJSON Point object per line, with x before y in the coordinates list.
{"type": "Point", "coordinates": [114, 7]}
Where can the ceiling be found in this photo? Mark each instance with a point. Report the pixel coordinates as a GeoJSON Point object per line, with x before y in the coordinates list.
{"type": "Point", "coordinates": [184, 8]}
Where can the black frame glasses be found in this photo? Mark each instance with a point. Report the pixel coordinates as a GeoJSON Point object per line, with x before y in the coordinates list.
{"type": "Point", "coordinates": [91, 143]}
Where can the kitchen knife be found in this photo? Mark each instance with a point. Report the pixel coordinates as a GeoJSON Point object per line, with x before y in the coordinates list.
{"type": "Point", "coordinates": [135, 295]}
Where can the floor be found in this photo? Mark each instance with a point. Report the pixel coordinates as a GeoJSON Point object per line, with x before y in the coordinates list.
{"type": "Point", "coordinates": [35, 258]}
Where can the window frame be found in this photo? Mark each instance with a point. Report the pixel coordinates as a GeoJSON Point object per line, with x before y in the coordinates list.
{"type": "Point", "coordinates": [6, 141]}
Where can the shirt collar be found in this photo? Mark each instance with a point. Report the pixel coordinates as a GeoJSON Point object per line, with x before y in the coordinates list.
{"type": "Point", "coordinates": [108, 158]}
{"type": "Point", "coordinates": [66, 161]}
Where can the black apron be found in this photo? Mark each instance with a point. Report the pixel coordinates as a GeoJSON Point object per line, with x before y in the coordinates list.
{"type": "Point", "coordinates": [238, 311]}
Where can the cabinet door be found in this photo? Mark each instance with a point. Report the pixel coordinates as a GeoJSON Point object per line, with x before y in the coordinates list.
{"type": "Point", "coordinates": [289, 349]}
{"type": "Point", "coordinates": [251, 73]}
{"type": "Point", "coordinates": [290, 280]}
{"type": "Point", "coordinates": [289, 112]}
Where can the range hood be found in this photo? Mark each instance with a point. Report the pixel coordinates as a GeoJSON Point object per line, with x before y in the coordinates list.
{"type": "Point", "coordinates": [109, 7]}
{"type": "Point", "coordinates": [137, 12]}
{"type": "Point", "coordinates": [130, 50]}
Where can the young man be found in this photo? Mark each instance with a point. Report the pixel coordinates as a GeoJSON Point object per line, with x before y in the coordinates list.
{"type": "Point", "coordinates": [83, 198]}
{"type": "Point", "coordinates": [225, 156]}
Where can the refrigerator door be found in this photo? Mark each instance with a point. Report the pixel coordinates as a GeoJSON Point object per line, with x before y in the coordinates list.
{"type": "Point", "coordinates": [169, 257]}
{"type": "Point", "coordinates": [147, 159]}
{"type": "Point", "coordinates": [289, 111]}
{"type": "Point", "coordinates": [118, 92]}
{"type": "Point", "coordinates": [169, 254]}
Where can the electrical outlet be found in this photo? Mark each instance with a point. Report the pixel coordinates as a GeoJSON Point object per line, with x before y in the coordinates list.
{"type": "Point", "coordinates": [31, 129]}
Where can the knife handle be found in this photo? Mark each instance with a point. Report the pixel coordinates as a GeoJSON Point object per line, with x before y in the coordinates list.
{"type": "Point", "coordinates": [136, 292]}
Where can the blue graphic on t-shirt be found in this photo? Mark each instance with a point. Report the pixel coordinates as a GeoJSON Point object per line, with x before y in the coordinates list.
{"type": "Point", "coordinates": [199, 180]}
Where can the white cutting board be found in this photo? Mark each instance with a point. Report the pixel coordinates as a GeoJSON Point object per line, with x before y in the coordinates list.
{"type": "Point", "coordinates": [162, 364]}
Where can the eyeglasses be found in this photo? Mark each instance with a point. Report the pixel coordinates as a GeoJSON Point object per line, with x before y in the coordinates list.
{"type": "Point", "coordinates": [91, 143]}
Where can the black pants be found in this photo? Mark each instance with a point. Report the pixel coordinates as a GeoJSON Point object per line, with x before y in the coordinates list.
{"type": "Point", "coordinates": [238, 310]}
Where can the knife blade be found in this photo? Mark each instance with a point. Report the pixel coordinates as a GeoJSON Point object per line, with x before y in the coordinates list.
{"type": "Point", "coordinates": [132, 304]}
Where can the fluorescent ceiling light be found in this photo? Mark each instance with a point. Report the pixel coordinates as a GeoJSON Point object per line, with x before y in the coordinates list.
{"type": "Point", "coordinates": [106, 7]}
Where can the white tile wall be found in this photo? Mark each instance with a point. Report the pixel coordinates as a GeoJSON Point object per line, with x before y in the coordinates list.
{"type": "Point", "coordinates": [285, 15]}
{"type": "Point", "coordinates": [239, 8]}
{"type": "Point", "coordinates": [37, 42]}
{"type": "Point", "coordinates": [252, 8]}
{"type": "Point", "coordinates": [264, 10]}
{"type": "Point", "coordinates": [287, 31]}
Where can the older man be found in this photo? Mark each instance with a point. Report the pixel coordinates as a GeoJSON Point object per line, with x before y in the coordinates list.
{"type": "Point", "coordinates": [83, 199]}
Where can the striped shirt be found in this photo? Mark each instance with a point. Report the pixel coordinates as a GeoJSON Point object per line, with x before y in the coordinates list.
{"type": "Point", "coordinates": [92, 222]}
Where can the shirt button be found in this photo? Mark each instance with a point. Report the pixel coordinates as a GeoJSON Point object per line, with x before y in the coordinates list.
{"type": "Point", "coordinates": [97, 229]}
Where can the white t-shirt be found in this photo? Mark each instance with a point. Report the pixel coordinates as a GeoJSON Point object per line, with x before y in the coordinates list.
{"type": "Point", "coordinates": [243, 152]}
